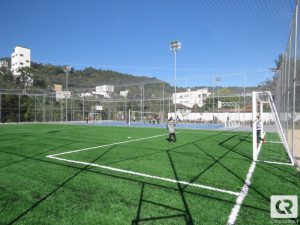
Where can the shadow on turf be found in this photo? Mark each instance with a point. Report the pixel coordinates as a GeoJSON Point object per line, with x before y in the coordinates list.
{"type": "Point", "coordinates": [68, 165]}
{"type": "Point", "coordinates": [183, 213]}
{"type": "Point", "coordinates": [215, 160]}
{"type": "Point", "coordinates": [142, 201]}
{"type": "Point", "coordinates": [278, 167]}
{"type": "Point", "coordinates": [25, 158]}
{"type": "Point", "coordinates": [187, 216]}
{"type": "Point", "coordinates": [58, 187]}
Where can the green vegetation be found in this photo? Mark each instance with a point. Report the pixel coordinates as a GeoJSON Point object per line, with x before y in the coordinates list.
{"type": "Point", "coordinates": [40, 190]}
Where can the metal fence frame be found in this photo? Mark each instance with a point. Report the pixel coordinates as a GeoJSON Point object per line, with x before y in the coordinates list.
{"type": "Point", "coordinates": [287, 94]}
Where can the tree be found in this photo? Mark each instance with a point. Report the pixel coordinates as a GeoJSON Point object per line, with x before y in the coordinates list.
{"type": "Point", "coordinates": [6, 78]}
{"type": "Point", "coordinates": [278, 62]}
{"type": "Point", "coordinates": [24, 78]}
{"type": "Point", "coordinates": [270, 84]}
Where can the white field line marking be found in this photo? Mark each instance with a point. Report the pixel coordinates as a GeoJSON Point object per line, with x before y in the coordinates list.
{"type": "Point", "coordinates": [244, 191]}
{"type": "Point", "coordinates": [132, 172]}
{"type": "Point", "coordinates": [279, 163]}
{"type": "Point", "coordinates": [102, 146]}
{"type": "Point", "coordinates": [14, 131]}
{"type": "Point", "coordinates": [274, 142]}
{"type": "Point", "coordinates": [182, 132]}
{"type": "Point", "coordinates": [149, 176]}
{"type": "Point", "coordinates": [242, 195]}
{"type": "Point", "coordinates": [26, 131]}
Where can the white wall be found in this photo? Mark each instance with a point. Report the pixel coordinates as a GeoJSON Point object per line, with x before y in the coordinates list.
{"type": "Point", "coordinates": [222, 117]}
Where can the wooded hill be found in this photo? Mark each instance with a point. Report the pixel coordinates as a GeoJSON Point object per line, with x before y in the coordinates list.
{"type": "Point", "coordinates": [44, 76]}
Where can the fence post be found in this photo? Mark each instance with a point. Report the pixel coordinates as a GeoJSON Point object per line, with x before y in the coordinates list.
{"type": "Point", "coordinates": [19, 108]}
{"type": "Point", "coordinates": [244, 118]}
{"type": "Point", "coordinates": [44, 115]}
{"type": "Point", "coordinates": [163, 115]}
{"type": "Point", "coordinates": [0, 108]}
{"type": "Point", "coordinates": [61, 111]}
{"type": "Point", "coordinates": [294, 80]}
{"type": "Point", "coordinates": [83, 108]}
{"type": "Point", "coordinates": [34, 108]}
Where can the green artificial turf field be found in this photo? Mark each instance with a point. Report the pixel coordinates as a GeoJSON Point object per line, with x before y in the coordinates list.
{"type": "Point", "coordinates": [72, 174]}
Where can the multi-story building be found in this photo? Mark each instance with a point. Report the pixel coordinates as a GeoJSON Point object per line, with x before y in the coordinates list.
{"type": "Point", "coordinates": [4, 63]}
{"type": "Point", "coordinates": [20, 58]}
{"type": "Point", "coordinates": [105, 89]}
{"type": "Point", "coordinates": [190, 98]}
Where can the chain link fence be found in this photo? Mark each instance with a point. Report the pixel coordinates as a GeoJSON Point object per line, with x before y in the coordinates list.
{"type": "Point", "coordinates": [287, 93]}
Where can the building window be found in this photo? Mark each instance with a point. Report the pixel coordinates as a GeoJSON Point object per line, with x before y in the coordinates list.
{"type": "Point", "coordinates": [21, 55]}
{"type": "Point", "coordinates": [27, 61]}
{"type": "Point", "coordinates": [21, 63]}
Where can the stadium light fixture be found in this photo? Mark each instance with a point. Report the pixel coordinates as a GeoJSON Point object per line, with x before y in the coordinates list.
{"type": "Point", "coordinates": [67, 71]}
{"type": "Point", "coordinates": [175, 46]}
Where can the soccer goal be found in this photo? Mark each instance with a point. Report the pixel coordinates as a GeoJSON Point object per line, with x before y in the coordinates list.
{"type": "Point", "coordinates": [231, 112]}
{"type": "Point", "coordinates": [94, 117]}
{"type": "Point", "coordinates": [145, 117]}
{"type": "Point", "coordinates": [269, 142]}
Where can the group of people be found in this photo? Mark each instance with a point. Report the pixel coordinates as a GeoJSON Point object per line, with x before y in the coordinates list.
{"type": "Point", "coordinates": [154, 119]}
{"type": "Point", "coordinates": [171, 127]}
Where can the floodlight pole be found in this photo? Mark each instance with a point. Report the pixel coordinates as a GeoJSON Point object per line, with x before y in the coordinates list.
{"type": "Point", "coordinates": [174, 46]}
{"type": "Point", "coordinates": [175, 76]}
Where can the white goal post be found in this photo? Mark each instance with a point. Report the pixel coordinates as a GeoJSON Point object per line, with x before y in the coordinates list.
{"type": "Point", "coordinates": [260, 101]}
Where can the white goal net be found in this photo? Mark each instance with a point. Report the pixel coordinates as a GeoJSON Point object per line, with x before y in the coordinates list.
{"type": "Point", "coordinates": [269, 142]}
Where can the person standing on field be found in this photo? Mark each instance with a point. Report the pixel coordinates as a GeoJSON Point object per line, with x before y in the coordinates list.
{"type": "Point", "coordinates": [171, 128]}
{"type": "Point", "coordinates": [258, 130]}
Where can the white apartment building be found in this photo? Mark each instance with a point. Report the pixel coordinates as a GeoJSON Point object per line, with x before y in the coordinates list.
{"type": "Point", "coordinates": [4, 63]}
{"type": "Point", "coordinates": [190, 98]}
{"type": "Point", "coordinates": [20, 58]}
{"type": "Point", "coordinates": [105, 89]}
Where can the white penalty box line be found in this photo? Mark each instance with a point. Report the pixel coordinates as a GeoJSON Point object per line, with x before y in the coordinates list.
{"type": "Point", "coordinates": [54, 156]}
